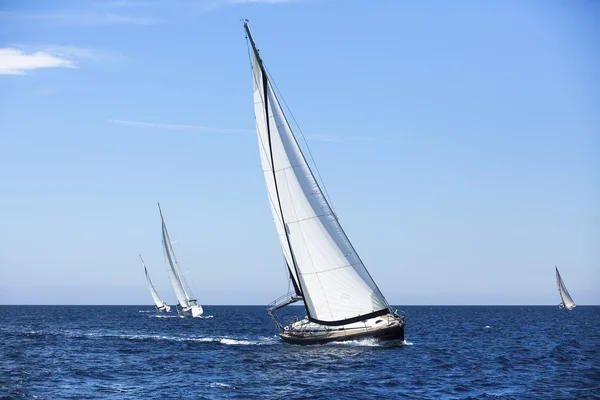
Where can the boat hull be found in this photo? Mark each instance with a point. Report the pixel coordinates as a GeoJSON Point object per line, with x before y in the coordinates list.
{"type": "Point", "coordinates": [194, 311]}
{"type": "Point", "coordinates": [568, 308]}
{"type": "Point", "coordinates": [392, 330]}
{"type": "Point", "coordinates": [163, 309]}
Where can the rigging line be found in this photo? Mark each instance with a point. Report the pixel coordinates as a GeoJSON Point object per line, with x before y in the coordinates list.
{"type": "Point", "coordinates": [304, 139]}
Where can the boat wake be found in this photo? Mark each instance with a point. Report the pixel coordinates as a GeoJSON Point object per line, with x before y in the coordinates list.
{"type": "Point", "coordinates": [369, 342]}
{"type": "Point", "coordinates": [261, 341]}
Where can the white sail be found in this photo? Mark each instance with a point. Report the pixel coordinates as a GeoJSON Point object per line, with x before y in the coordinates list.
{"type": "Point", "coordinates": [177, 280]}
{"type": "Point", "coordinates": [567, 301]}
{"type": "Point", "coordinates": [157, 301]}
{"type": "Point", "coordinates": [332, 278]}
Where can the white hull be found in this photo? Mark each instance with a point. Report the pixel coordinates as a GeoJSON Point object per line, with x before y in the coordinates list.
{"type": "Point", "coordinates": [568, 308]}
{"type": "Point", "coordinates": [193, 311]}
{"type": "Point", "coordinates": [163, 308]}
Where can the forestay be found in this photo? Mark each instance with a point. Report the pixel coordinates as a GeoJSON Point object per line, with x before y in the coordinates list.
{"type": "Point", "coordinates": [177, 280]}
{"type": "Point", "coordinates": [332, 278]}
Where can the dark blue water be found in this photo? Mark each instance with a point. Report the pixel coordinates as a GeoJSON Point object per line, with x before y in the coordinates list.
{"type": "Point", "coordinates": [129, 352]}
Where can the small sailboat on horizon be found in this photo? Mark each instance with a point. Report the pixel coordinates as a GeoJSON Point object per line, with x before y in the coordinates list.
{"type": "Point", "coordinates": [160, 305]}
{"type": "Point", "coordinates": [567, 302]}
{"type": "Point", "coordinates": [341, 299]}
{"type": "Point", "coordinates": [188, 306]}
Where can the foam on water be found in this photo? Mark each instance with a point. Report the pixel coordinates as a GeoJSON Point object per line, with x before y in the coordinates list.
{"type": "Point", "coordinates": [219, 385]}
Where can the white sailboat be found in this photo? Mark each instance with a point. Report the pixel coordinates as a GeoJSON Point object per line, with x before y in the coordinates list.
{"type": "Point", "coordinates": [567, 302]}
{"type": "Point", "coordinates": [188, 306]}
{"type": "Point", "coordinates": [341, 299]}
{"type": "Point", "coordinates": [160, 305]}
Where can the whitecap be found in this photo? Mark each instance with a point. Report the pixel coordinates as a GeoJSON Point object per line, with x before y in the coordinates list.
{"type": "Point", "coordinates": [219, 385]}
{"type": "Point", "coordinates": [235, 341]}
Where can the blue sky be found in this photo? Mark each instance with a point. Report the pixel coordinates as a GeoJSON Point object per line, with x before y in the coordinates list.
{"type": "Point", "coordinates": [459, 141]}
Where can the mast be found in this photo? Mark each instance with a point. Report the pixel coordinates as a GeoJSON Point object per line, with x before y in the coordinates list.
{"type": "Point", "coordinates": [265, 84]}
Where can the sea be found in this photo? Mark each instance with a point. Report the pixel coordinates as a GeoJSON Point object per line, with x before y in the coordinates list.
{"type": "Point", "coordinates": [233, 352]}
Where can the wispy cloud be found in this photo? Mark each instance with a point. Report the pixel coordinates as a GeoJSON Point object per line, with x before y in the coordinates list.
{"type": "Point", "coordinates": [343, 139]}
{"type": "Point", "coordinates": [178, 127]}
{"type": "Point", "coordinates": [17, 62]}
{"type": "Point", "coordinates": [79, 18]}
{"type": "Point", "coordinates": [221, 130]}
{"type": "Point", "coordinates": [257, 1]}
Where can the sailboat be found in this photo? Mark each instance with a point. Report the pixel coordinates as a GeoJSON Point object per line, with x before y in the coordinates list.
{"type": "Point", "coordinates": [341, 299]}
{"type": "Point", "coordinates": [160, 305]}
{"type": "Point", "coordinates": [188, 306]}
{"type": "Point", "coordinates": [567, 302]}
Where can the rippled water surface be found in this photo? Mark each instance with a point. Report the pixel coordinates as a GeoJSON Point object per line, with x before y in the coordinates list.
{"type": "Point", "coordinates": [130, 352]}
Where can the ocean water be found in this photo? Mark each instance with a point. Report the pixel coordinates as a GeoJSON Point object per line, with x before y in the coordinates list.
{"type": "Point", "coordinates": [130, 352]}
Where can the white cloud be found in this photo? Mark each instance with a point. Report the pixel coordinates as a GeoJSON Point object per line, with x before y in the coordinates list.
{"type": "Point", "coordinates": [17, 62]}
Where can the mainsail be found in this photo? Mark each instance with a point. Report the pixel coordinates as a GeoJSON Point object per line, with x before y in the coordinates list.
{"type": "Point", "coordinates": [157, 301]}
{"type": "Point", "coordinates": [177, 279]}
{"type": "Point", "coordinates": [332, 279]}
{"type": "Point", "coordinates": [567, 301]}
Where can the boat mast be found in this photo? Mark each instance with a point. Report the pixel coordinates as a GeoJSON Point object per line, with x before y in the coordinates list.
{"type": "Point", "coordinates": [265, 85]}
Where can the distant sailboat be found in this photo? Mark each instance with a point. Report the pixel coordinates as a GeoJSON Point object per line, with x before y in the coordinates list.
{"type": "Point", "coordinates": [188, 306]}
{"type": "Point", "coordinates": [160, 305]}
{"type": "Point", "coordinates": [341, 299]}
{"type": "Point", "coordinates": [567, 301]}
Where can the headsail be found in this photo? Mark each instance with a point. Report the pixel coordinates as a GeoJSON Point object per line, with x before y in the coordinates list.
{"type": "Point", "coordinates": [564, 293]}
{"type": "Point", "coordinates": [157, 301]}
{"type": "Point", "coordinates": [177, 279]}
{"type": "Point", "coordinates": [323, 264]}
